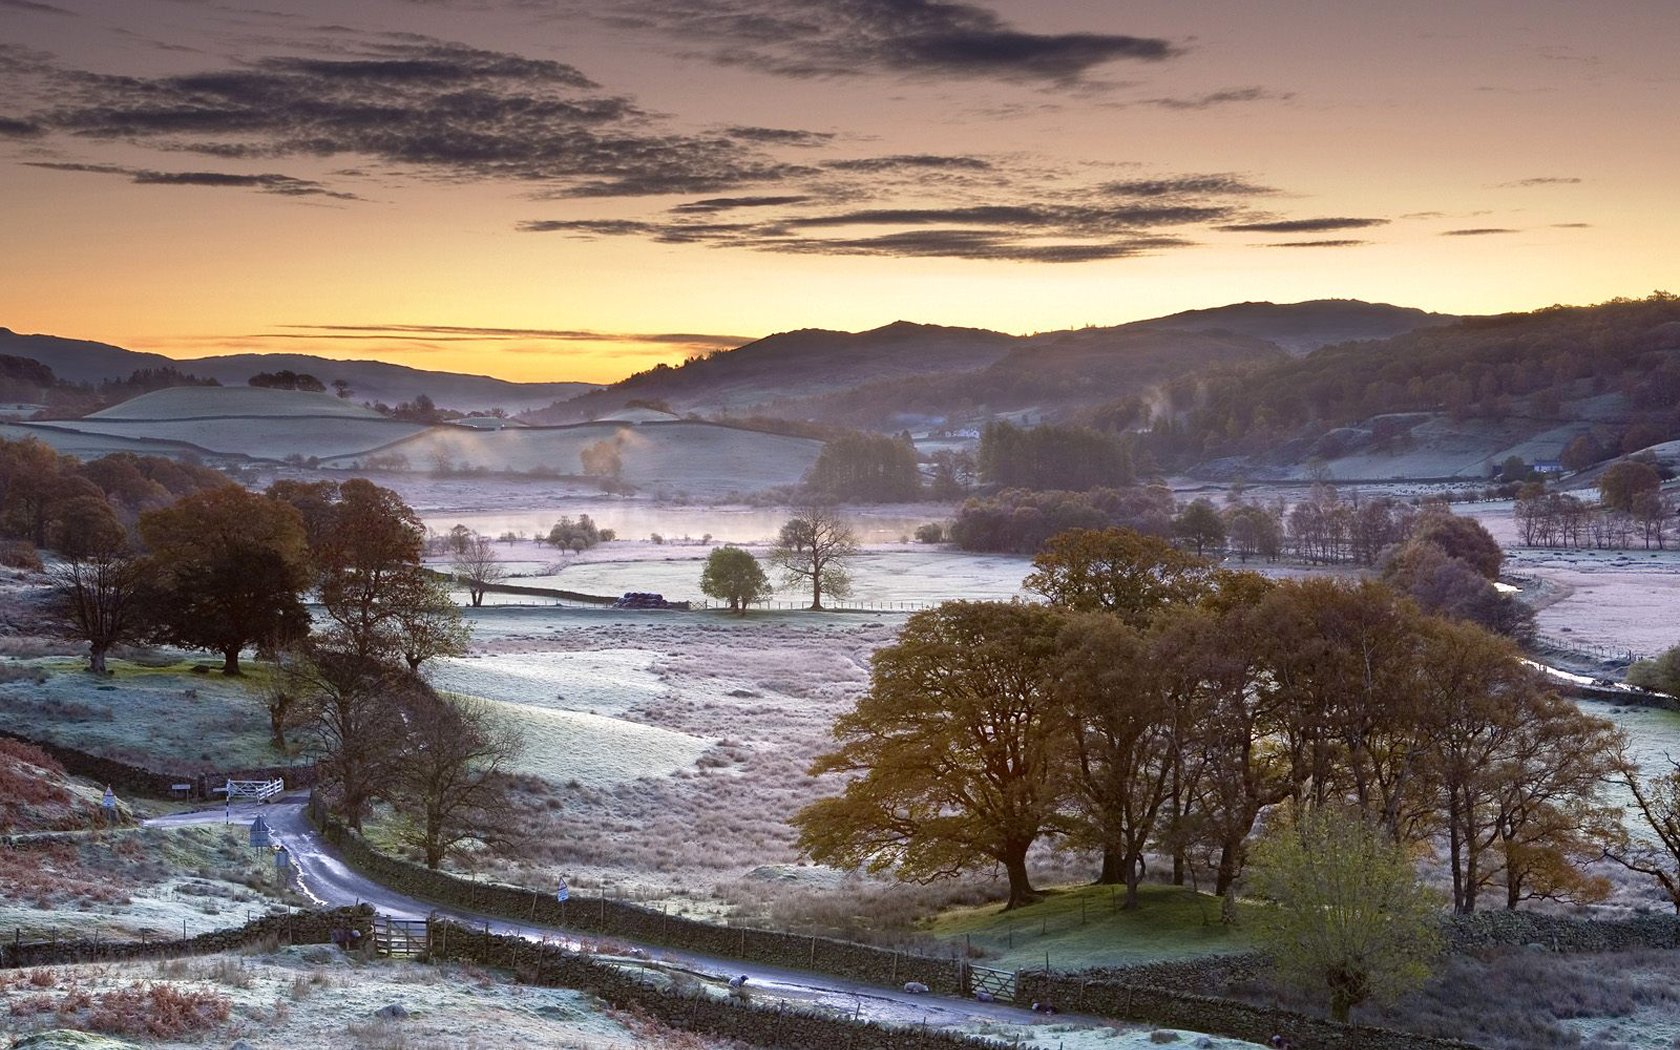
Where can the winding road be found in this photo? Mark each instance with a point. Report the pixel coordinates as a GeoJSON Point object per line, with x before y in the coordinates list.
{"type": "Point", "coordinates": [324, 877]}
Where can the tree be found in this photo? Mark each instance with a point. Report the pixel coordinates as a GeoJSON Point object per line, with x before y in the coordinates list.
{"type": "Point", "coordinates": [1199, 524]}
{"type": "Point", "coordinates": [1655, 851]}
{"type": "Point", "coordinates": [734, 576]}
{"type": "Point", "coordinates": [1581, 452]}
{"type": "Point", "coordinates": [428, 622]}
{"type": "Point", "coordinates": [1351, 919]}
{"type": "Point", "coordinates": [869, 468]}
{"type": "Point", "coordinates": [1463, 538]}
{"type": "Point", "coordinates": [1622, 483]}
{"type": "Point", "coordinates": [1660, 674]}
{"type": "Point", "coordinates": [454, 774]}
{"type": "Point", "coordinates": [478, 566]}
{"type": "Point", "coordinates": [231, 566]}
{"type": "Point", "coordinates": [1118, 571]}
{"type": "Point", "coordinates": [367, 560]}
{"type": "Point", "coordinates": [812, 549]}
{"type": "Point", "coordinates": [1122, 698]}
{"type": "Point", "coordinates": [358, 710]}
{"type": "Point", "coordinates": [955, 752]}
{"type": "Point", "coordinates": [101, 596]}
{"type": "Point", "coordinates": [603, 459]}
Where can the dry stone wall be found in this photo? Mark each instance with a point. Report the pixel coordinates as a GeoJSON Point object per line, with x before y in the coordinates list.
{"type": "Point", "coordinates": [303, 927]}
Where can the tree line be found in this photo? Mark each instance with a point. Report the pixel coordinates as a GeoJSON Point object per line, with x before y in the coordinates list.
{"type": "Point", "coordinates": [1156, 706]}
{"type": "Point", "coordinates": [225, 569]}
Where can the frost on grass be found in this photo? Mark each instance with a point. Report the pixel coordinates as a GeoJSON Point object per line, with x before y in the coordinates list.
{"type": "Point", "coordinates": [137, 884]}
{"type": "Point", "coordinates": [316, 996]}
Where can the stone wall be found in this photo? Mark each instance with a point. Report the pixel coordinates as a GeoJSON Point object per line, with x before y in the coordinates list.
{"type": "Point", "coordinates": [609, 918]}
{"type": "Point", "coordinates": [129, 779]}
{"type": "Point", "coordinates": [303, 927]}
{"type": "Point", "coordinates": [725, 1018]}
{"type": "Point", "coordinates": [1492, 929]}
{"type": "Point", "coordinates": [1131, 1001]}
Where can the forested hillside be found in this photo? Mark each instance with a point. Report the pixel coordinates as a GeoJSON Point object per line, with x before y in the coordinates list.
{"type": "Point", "coordinates": [1614, 367]}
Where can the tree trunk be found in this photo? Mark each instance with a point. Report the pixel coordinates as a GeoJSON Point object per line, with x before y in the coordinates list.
{"type": "Point", "coordinates": [1020, 887]}
{"type": "Point", "coordinates": [816, 591]}
{"type": "Point", "coordinates": [96, 659]}
{"type": "Point", "coordinates": [1226, 878]}
{"type": "Point", "coordinates": [230, 661]}
{"type": "Point", "coordinates": [1134, 875]}
{"type": "Point", "coordinates": [413, 663]}
{"type": "Point", "coordinates": [1111, 873]}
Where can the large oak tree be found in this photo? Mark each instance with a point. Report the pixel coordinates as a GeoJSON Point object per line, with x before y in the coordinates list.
{"type": "Point", "coordinates": [955, 753]}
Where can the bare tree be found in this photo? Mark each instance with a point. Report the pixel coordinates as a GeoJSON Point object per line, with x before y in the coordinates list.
{"type": "Point", "coordinates": [478, 565]}
{"type": "Point", "coordinates": [356, 710]}
{"type": "Point", "coordinates": [454, 775]}
{"type": "Point", "coordinates": [100, 597]}
{"type": "Point", "coordinates": [812, 549]}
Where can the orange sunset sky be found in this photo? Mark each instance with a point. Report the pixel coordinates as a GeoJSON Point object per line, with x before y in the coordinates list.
{"type": "Point", "coordinates": [559, 189]}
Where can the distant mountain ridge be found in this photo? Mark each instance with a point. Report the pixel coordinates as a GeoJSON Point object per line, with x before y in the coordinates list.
{"type": "Point", "coordinates": [905, 373]}
{"type": "Point", "coordinates": [85, 361]}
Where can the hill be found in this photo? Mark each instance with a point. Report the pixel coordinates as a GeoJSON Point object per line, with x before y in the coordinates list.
{"type": "Point", "coordinates": [805, 362]}
{"type": "Point", "coordinates": [204, 402]}
{"type": "Point", "coordinates": [1300, 328]}
{"type": "Point", "coordinates": [82, 361]}
{"type": "Point", "coordinates": [701, 459]}
{"type": "Point", "coordinates": [1446, 400]}
{"type": "Point", "coordinates": [911, 375]}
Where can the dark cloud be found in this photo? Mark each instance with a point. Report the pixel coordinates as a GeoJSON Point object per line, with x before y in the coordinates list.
{"type": "Point", "coordinates": [598, 227]}
{"type": "Point", "coordinates": [904, 161]}
{"type": "Point", "coordinates": [478, 334]}
{"type": "Point", "coordinates": [917, 39]}
{"type": "Point", "coordinates": [780, 136]}
{"type": "Point", "coordinates": [438, 109]}
{"type": "Point", "coordinates": [20, 128]}
{"type": "Point", "coordinates": [1068, 223]}
{"type": "Point", "coordinates": [1303, 225]}
{"type": "Point", "coordinates": [284, 185]}
{"type": "Point", "coordinates": [716, 204]}
{"type": "Point", "coordinates": [1479, 231]}
{"type": "Point", "coordinates": [1315, 244]}
{"type": "Point", "coordinates": [38, 8]}
{"type": "Point", "coordinates": [1220, 98]}
{"type": "Point", "coordinates": [972, 244]}
{"type": "Point", "coordinates": [1192, 185]}
{"type": "Point", "coordinates": [1572, 225]}
{"type": "Point", "coordinates": [1543, 180]}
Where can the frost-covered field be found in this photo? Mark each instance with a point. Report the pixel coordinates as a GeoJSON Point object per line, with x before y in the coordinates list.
{"type": "Point", "coordinates": [260, 437]}
{"type": "Point", "coordinates": [887, 576]}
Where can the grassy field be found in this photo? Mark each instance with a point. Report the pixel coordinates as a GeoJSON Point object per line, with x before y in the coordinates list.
{"type": "Point", "coordinates": [260, 437]}
{"type": "Point", "coordinates": [693, 458]}
{"type": "Point", "coordinates": [164, 717]}
{"type": "Point", "coordinates": [188, 402]}
{"type": "Point", "coordinates": [1083, 926]}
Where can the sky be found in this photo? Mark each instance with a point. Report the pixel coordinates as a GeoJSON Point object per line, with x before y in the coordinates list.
{"type": "Point", "coordinates": [582, 189]}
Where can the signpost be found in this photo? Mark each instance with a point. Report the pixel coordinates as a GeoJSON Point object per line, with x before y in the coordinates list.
{"type": "Point", "coordinates": [563, 893]}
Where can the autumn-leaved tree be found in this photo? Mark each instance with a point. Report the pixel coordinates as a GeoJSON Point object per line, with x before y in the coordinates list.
{"type": "Point", "coordinates": [812, 551]}
{"type": "Point", "coordinates": [733, 575]}
{"type": "Point", "coordinates": [956, 751]}
{"type": "Point", "coordinates": [231, 567]}
{"type": "Point", "coordinates": [1350, 919]}
{"type": "Point", "coordinates": [1117, 571]}
{"type": "Point", "coordinates": [358, 711]}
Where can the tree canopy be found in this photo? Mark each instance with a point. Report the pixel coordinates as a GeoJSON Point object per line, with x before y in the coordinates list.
{"type": "Point", "coordinates": [734, 576]}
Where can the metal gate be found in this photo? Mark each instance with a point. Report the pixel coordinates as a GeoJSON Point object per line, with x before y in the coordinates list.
{"type": "Point", "coordinates": [999, 984]}
{"type": "Point", "coordinates": [399, 938]}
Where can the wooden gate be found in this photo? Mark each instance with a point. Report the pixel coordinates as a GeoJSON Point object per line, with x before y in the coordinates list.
{"type": "Point", "coordinates": [399, 938]}
{"type": "Point", "coordinates": [999, 984]}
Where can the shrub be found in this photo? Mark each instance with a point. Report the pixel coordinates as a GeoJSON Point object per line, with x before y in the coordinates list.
{"type": "Point", "coordinates": [157, 1010]}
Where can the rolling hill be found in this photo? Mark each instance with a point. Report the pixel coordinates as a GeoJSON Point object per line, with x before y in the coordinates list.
{"type": "Point", "coordinates": [82, 361]}
{"type": "Point", "coordinates": [914, 375]}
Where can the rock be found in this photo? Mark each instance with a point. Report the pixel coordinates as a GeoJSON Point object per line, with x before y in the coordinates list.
{"type": "Point", "coordinates": [1204, 1043]}
{"type": "Point", "coordinates": [392, 1012]}
{"type": "Point", "coordinates": [241, 1044]}
{"type": "Point", "coordinates": [1161, 1035]}
{"type": "Point", "coordinates": [915, 987]}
